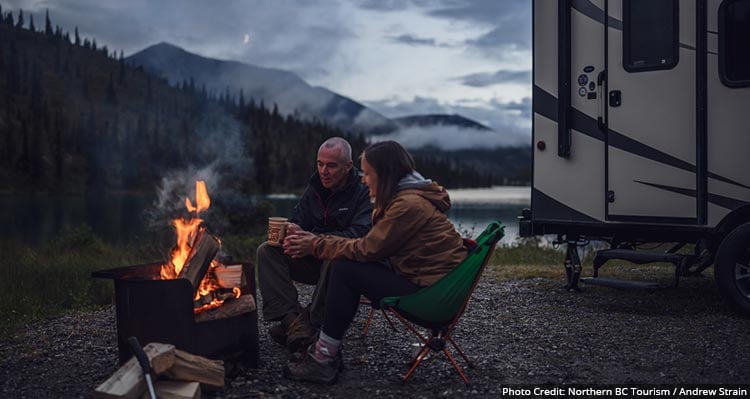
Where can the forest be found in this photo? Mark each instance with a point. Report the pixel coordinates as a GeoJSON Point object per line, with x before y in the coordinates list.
{"type": "Point", "coordinates": [76, 117]}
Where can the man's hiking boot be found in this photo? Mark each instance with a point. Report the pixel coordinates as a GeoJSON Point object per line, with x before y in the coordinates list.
{"type": "Point", "coordinates": [300, 333]}
{"type": "Point", "coordinates": [311, 370]}
{"type": "Point", "coordinates": [278, 333]}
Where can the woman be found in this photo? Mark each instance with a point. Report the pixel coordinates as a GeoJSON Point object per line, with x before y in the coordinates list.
{"type": "Point", "coordinates": [411, 245]}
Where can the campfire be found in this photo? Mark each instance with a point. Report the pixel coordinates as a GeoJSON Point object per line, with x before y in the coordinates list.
{"type": "Point", "coordinates": [194, 258]}
{"type": "Point", "coordinates": [192, 301]}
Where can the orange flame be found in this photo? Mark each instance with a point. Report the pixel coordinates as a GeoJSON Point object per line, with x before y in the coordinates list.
{"type": "Point", "coordinates": [202, 200]}
{"type": "Point", "coordinates": [186, 230]}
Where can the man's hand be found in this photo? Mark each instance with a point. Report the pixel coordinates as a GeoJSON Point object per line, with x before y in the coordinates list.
{"type": "Point", "coordinates": [292, 229]}
{"type": "Point", "coordinates": [299, 245]}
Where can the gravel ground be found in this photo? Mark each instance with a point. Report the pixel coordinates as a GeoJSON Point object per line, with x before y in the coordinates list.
{"type": "Point", "coordinates": [517, 332]}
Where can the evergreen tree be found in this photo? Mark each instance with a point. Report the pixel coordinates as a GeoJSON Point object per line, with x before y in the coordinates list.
{"type": "Point", "coordinates": [111, 94]}
{"type": "Point", "coordinates": [58, 149]}
{"type": "Point", "coordinates": [14, 70]}
{"type": "Point", "coordinates": [20, 22]}
{"type": "Point", "coordinates": [47, 25]}
{"type": "Point", "coordinates": [121, 63]}
{"type": "Point", "coordinates": [32, 28]}
{"type": "Point", "coordinates": [78, 38]}
{"type": "Point", "coordinates": [9, 19]}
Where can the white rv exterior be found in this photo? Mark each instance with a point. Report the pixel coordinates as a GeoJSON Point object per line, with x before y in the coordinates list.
{"type": "Point", "coordinates": [641, 126]}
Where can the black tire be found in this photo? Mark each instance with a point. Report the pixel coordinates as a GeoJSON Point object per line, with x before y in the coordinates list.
{"type": "Point", "coordinates": [732, 269]}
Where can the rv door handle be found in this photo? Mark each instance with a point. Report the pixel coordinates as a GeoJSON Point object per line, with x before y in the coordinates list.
{"type": "Point", "coordinates": [600, 93]}
{"type": "Point", "coordinates": [615, 98]}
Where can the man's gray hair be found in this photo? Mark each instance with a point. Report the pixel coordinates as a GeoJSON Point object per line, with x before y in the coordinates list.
{"type": "Point", "coordinates": [346, 148]}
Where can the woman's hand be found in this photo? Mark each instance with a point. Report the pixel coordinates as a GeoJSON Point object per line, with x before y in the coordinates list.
{"type": "Point", "coordinates": [299, 245]}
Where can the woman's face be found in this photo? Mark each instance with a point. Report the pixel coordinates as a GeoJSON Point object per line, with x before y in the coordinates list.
{"type": "Point", "coordinates": [369, 177]}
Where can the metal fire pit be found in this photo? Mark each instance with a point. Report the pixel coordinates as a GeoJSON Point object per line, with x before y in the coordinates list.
{"type": "Point", "coordinates": [156, 310]}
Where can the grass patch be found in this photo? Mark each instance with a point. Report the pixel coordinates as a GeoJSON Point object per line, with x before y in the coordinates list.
{"type": "Point", "coordinates": [48, 280]}
{"type": "Point", "coordinates": [529, 259]}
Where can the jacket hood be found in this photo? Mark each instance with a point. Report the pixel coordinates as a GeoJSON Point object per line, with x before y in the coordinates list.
{"type": "Point", "coordinates": [413, 180]}
{"type": "Point", "coordinates": [427, 189]}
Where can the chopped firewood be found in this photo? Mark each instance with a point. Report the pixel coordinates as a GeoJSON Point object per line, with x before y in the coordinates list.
{"type": "Point", "coordinates": [127, 381]}
{"type": "Point", "coordinates": [166, 389]}
{"type": "Point", "coordinates": [243, 304]}
{"type": "Point", "coordinates": [204, 249]}
{"type": "Point", "coordinates": [189, 367]}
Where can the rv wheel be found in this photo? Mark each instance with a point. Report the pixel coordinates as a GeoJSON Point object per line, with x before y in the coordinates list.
{"type": "Point", "coordinates": [732, 268]}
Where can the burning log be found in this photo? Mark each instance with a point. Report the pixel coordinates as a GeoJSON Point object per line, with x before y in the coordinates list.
{"type": "Point", "coordinates": [204, 249]}
{"type": "Point", "coordinates": [243, 304]}
{"type": "Point", "coordinates": [217, 296]}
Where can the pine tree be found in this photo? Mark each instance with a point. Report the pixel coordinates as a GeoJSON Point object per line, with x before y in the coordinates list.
{"type": "Point", "coordinates": [48, 25]}
{"type": "Point", "coordinates": [111, 94]}
{"type": "Point", "coordinates": [121, 62]}
{"type": "Point", "coordinates": [14, 70]}
{"type": "Point", "coordinates": [32, 28]}
{"type": "Point", "coordinates": [78, 38]}
{"type": "Point", "coordinates": [9, 19]}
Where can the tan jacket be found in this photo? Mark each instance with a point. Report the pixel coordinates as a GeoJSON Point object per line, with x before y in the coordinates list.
{"type": "Point", "coordinates": [413, 233]}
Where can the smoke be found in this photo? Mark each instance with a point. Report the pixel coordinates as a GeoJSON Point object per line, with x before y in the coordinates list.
{"type": "Point", "coordinates": [453, 138]}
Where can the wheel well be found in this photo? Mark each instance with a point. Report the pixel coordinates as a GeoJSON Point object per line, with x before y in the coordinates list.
{"type": "Point", "coordinates": [732, 220]}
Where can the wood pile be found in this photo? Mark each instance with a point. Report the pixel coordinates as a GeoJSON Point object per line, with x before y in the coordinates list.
{"type": "Point", "coordinates": [176, 374]}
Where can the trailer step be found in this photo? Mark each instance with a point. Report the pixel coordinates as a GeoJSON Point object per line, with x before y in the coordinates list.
{"type": "Point", "coordinates": [621, 284]}
{"type": "Point", "coordinates": [639, 257]}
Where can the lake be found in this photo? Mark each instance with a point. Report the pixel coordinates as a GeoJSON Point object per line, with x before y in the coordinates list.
{"type": "Point", "coordinates": [118, 218]}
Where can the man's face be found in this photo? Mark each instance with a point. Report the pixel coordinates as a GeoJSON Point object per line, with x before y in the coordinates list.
{"type": "Point", "coordinates": [332, 169]}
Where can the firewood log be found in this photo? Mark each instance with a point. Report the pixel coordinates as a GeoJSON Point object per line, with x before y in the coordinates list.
{"type": "Point", "coordinates": [189, 367]}
{"type": "Point", "coordinates": [128, 382]}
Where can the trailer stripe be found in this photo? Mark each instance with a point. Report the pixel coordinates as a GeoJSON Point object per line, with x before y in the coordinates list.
{"type": "Point", "coordinates": [589, 9]}
{"type": "Point", "coordinates": [719, 200]}
{"type": "Point", "coordinates": [545, 104]}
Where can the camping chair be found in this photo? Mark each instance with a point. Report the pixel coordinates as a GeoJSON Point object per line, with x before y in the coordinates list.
{"type": "Point", "coordinates": [468, 243]}
{"type": "Point", "coordinates": [439, 306]}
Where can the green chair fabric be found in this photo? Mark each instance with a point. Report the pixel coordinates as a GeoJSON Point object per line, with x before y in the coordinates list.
{"type": "Point", "coordinates": [439, 303]}
{"type": "Point", "coordinates": [440, 306]}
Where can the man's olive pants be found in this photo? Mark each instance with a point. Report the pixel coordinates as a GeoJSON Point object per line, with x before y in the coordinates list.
{"type": "Point", "coordinates": [275, 274]}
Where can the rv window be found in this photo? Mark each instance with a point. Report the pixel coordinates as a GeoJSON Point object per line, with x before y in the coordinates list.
{"type": "Point", "coordinates": [650, 35]}
{"type": "Point", "coordinates": [734, 51]}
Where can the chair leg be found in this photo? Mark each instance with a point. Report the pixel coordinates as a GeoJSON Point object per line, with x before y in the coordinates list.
{"type": "Point", "coordinates": [422, 354]}
{"type": "Point", "coordinates": [456, 366]}
{"type": "Point", "coordinates": [460, 352]}
{"type": "Point", "coordinates": [369, 320]}
{"type": "Point", "coordinates": [388, 319]}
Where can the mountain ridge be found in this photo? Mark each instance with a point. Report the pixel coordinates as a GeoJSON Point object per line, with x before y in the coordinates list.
{"type": "Point", "coordinates": [290, 93]}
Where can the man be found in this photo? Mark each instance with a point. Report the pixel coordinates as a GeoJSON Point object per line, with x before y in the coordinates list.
{"type": "Point", "coordinates": [335, 202]}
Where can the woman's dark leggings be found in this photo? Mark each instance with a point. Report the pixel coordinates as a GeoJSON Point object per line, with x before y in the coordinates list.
{"type": "Point", "coordinates": [348, 281]}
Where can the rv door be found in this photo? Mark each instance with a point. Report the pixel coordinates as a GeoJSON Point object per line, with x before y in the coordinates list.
{"type": "Point", "coordinates": [650, 115]}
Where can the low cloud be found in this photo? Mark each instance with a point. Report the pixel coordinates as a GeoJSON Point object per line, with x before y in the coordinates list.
{"type": "Point", "coordinates": [452, 138]}
{"type": "Point", "coordinates": [510, 118]}
{"type": "Point", "coordinates": [485, 79]}
{"type": "Point", "coordinates": [417, 41]}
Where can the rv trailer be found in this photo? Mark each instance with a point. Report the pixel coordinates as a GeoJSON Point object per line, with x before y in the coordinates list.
{"type": "Point", "coordinates": [641, 134]}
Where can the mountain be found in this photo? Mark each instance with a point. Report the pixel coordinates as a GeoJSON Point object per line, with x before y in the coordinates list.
{"type": "Point", "coordinates": [431, 120]}
{"type": "Point", "coordinates": [290, 93]}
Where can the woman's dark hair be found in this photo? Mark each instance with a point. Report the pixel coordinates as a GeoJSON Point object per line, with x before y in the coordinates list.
{"type": "Point", "coordinates": [392, 163]}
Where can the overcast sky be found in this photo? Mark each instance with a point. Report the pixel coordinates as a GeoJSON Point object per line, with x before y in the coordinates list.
{"type": "Point", "coordinates": [399, 57]}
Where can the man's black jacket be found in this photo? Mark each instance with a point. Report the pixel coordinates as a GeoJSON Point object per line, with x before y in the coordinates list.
{"type": "Point", "coordinates": [345, 213]}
